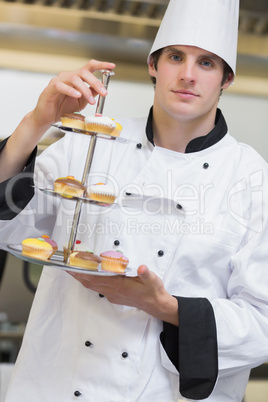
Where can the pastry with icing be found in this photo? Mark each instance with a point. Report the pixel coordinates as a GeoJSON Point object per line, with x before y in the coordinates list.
{"type": "Point", "coordinates": [101, 192]}
{"type": "Point", "coordinates": [69, 186]}
{"type": "Point", "coordinates": [39, 247]}
{"type": "Point", "coordinates": [114, 261]}
{"type": "Point", "coordinates": [100, 124]}
{"type": "Point", "coordinates": [85, 259]}
{"type": "Point", "coordinates": [73, 120]}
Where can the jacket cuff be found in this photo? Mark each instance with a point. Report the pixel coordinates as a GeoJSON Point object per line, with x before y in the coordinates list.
{"type": "Point", "coordinates": [16, 192]}
{"type": "Point", "coordinates": [192, 347]}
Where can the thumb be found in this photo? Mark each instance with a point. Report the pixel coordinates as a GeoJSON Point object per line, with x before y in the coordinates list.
{"type": "Point", "coordinates": [143, 272]}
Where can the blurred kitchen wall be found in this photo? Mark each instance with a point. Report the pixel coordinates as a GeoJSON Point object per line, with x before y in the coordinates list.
{"type": "Point", "coordinates": [246, 114]}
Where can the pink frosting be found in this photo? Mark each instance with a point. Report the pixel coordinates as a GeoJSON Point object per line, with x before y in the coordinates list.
{"type": "Point", "coordinates": [51, 242]}
{"type": "Point", "coordinates": [114, 254]}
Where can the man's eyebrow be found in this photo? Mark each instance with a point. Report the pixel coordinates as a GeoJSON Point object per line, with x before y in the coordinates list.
{"type": "Point", "coordinates": [205, 55]}
{"type": "Point", "coordinates": [173, 49]}
{"type": "Point", "coordinates": [209, 56]}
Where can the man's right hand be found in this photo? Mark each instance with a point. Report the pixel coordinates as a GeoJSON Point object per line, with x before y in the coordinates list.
{"type": "Point", "coordinates": [70, 92]}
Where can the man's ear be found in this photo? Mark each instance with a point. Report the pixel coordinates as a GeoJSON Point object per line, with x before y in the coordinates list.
{"type": "Point", "coordinates": [229, 81]}
{"type": "Point", "coordinates": [151, 67]}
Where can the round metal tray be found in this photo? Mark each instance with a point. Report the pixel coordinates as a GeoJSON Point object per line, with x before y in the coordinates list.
{"type": "Point", "coordinates": [90, 133]}
{"type": "Point", "coordinates": [56, 261]}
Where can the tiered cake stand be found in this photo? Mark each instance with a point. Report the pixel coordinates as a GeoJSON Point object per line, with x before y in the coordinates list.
{"type": "Point", "coordinates": [59, 259]}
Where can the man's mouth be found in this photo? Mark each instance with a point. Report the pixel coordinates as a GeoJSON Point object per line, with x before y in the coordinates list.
{"type": "Point", "coordinates": [185, 93]}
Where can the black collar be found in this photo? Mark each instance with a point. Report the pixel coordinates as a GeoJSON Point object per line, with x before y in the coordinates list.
{"type": "Point", "coordinates": [199, 143]}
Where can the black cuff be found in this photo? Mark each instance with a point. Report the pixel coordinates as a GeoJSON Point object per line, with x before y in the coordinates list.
{"type": "Point", "coordinates": [16, 192]}
{"type": "Point", "coordinates": [192, 347]}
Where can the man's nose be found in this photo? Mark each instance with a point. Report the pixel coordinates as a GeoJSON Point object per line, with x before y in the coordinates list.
{"type": "Point", "coordinates": [188, 72]}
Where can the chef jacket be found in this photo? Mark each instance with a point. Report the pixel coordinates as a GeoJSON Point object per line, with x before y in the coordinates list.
{"type": "Point", "coordinates": [198, 220]}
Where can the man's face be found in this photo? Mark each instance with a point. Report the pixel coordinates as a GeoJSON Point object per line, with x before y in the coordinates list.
{"type": "Point", "coordinates": [188, 82]}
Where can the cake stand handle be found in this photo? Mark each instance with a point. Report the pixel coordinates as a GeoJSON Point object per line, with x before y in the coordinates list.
{"type": "Point", "coordinates": [106, 74]}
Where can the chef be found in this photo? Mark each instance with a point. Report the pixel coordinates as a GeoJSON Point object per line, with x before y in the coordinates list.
{"type": "Point", "coordinates": [190, 320]}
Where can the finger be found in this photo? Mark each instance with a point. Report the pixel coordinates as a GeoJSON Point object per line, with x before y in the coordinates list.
{"type": "Point", "coordinates": [143, 272]}
{"type": "Point", "coordinates": [86, 73]}
{"type": "Point", "coordinates": [82, 82]}
{"type": "Point", "coordinates": [93, 86]}
{"type": "Point", "coordinates": [96, 65]}
{"type": "Point", "coordinates": [75, 88]}
{"type": "Point", "coordinates": [67, 90]}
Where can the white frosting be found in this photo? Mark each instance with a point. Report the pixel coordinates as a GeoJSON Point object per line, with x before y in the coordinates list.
{"type": "Point", "coordinates": [106, 121]}
{"type": "Point", "coordinates": [101, 189]}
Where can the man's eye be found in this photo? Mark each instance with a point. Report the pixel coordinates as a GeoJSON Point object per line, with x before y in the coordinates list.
{"type": "Point", "coordinates": [175, 57]}
{"type": "Point", "coordinates": [206, 63]}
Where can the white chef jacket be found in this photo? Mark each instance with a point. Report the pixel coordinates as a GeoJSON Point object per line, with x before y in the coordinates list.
{"type": "Point", "coordinates": [205, 211]}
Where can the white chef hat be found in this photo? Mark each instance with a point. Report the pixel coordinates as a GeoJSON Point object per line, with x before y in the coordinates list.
{"type": "Point", "coordinates": [209, 24]}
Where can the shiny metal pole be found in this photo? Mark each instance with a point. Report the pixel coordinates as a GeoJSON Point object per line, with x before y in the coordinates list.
{"type": "Point", "coordinates": [106, 74]}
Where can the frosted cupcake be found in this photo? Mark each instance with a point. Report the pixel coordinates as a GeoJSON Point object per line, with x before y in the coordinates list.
{"type": "Point", "coordinates": [102, 193]}
{"type": "Point", "coordinates": [39, 247]}
{"type": "Point", "coordinates": [73, 120]}
{"type": "Point", "coordinates": [114, 261]}
{"type": "Point", "coordinates": [85, 259]}
{"type": "Point", "coordinates": [100, 124]}
{"type": "Point", "coordinates": [69, 186]}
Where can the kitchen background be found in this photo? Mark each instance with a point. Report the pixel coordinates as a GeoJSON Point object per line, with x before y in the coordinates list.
{"type": "Point", "coordinates": [39, 38]}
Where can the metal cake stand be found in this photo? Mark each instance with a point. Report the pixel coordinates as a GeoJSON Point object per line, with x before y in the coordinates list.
{"type": "Point", "coordinates": [106, 74]}
{"type": "Point", "coordinates": [60, 259]}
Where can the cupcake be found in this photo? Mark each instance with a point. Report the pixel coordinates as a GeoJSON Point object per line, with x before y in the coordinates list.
{"type": "Point", "coordinates": [114, 261]}
{"type": "Point", "coordinates": [117, 131]}
{"type": "Point", "coordinates": [85, 259]}
{"type": "Point", "coordinates": [69, 186]}
{"type": "Point", "coordinates": [102, 193]}
{"type": "Point", "coordinates": [100, 124]}
{"type": "Point", "coordinates": [73, 120]}
{"type": "Point", "coordinates": [40, 247]}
